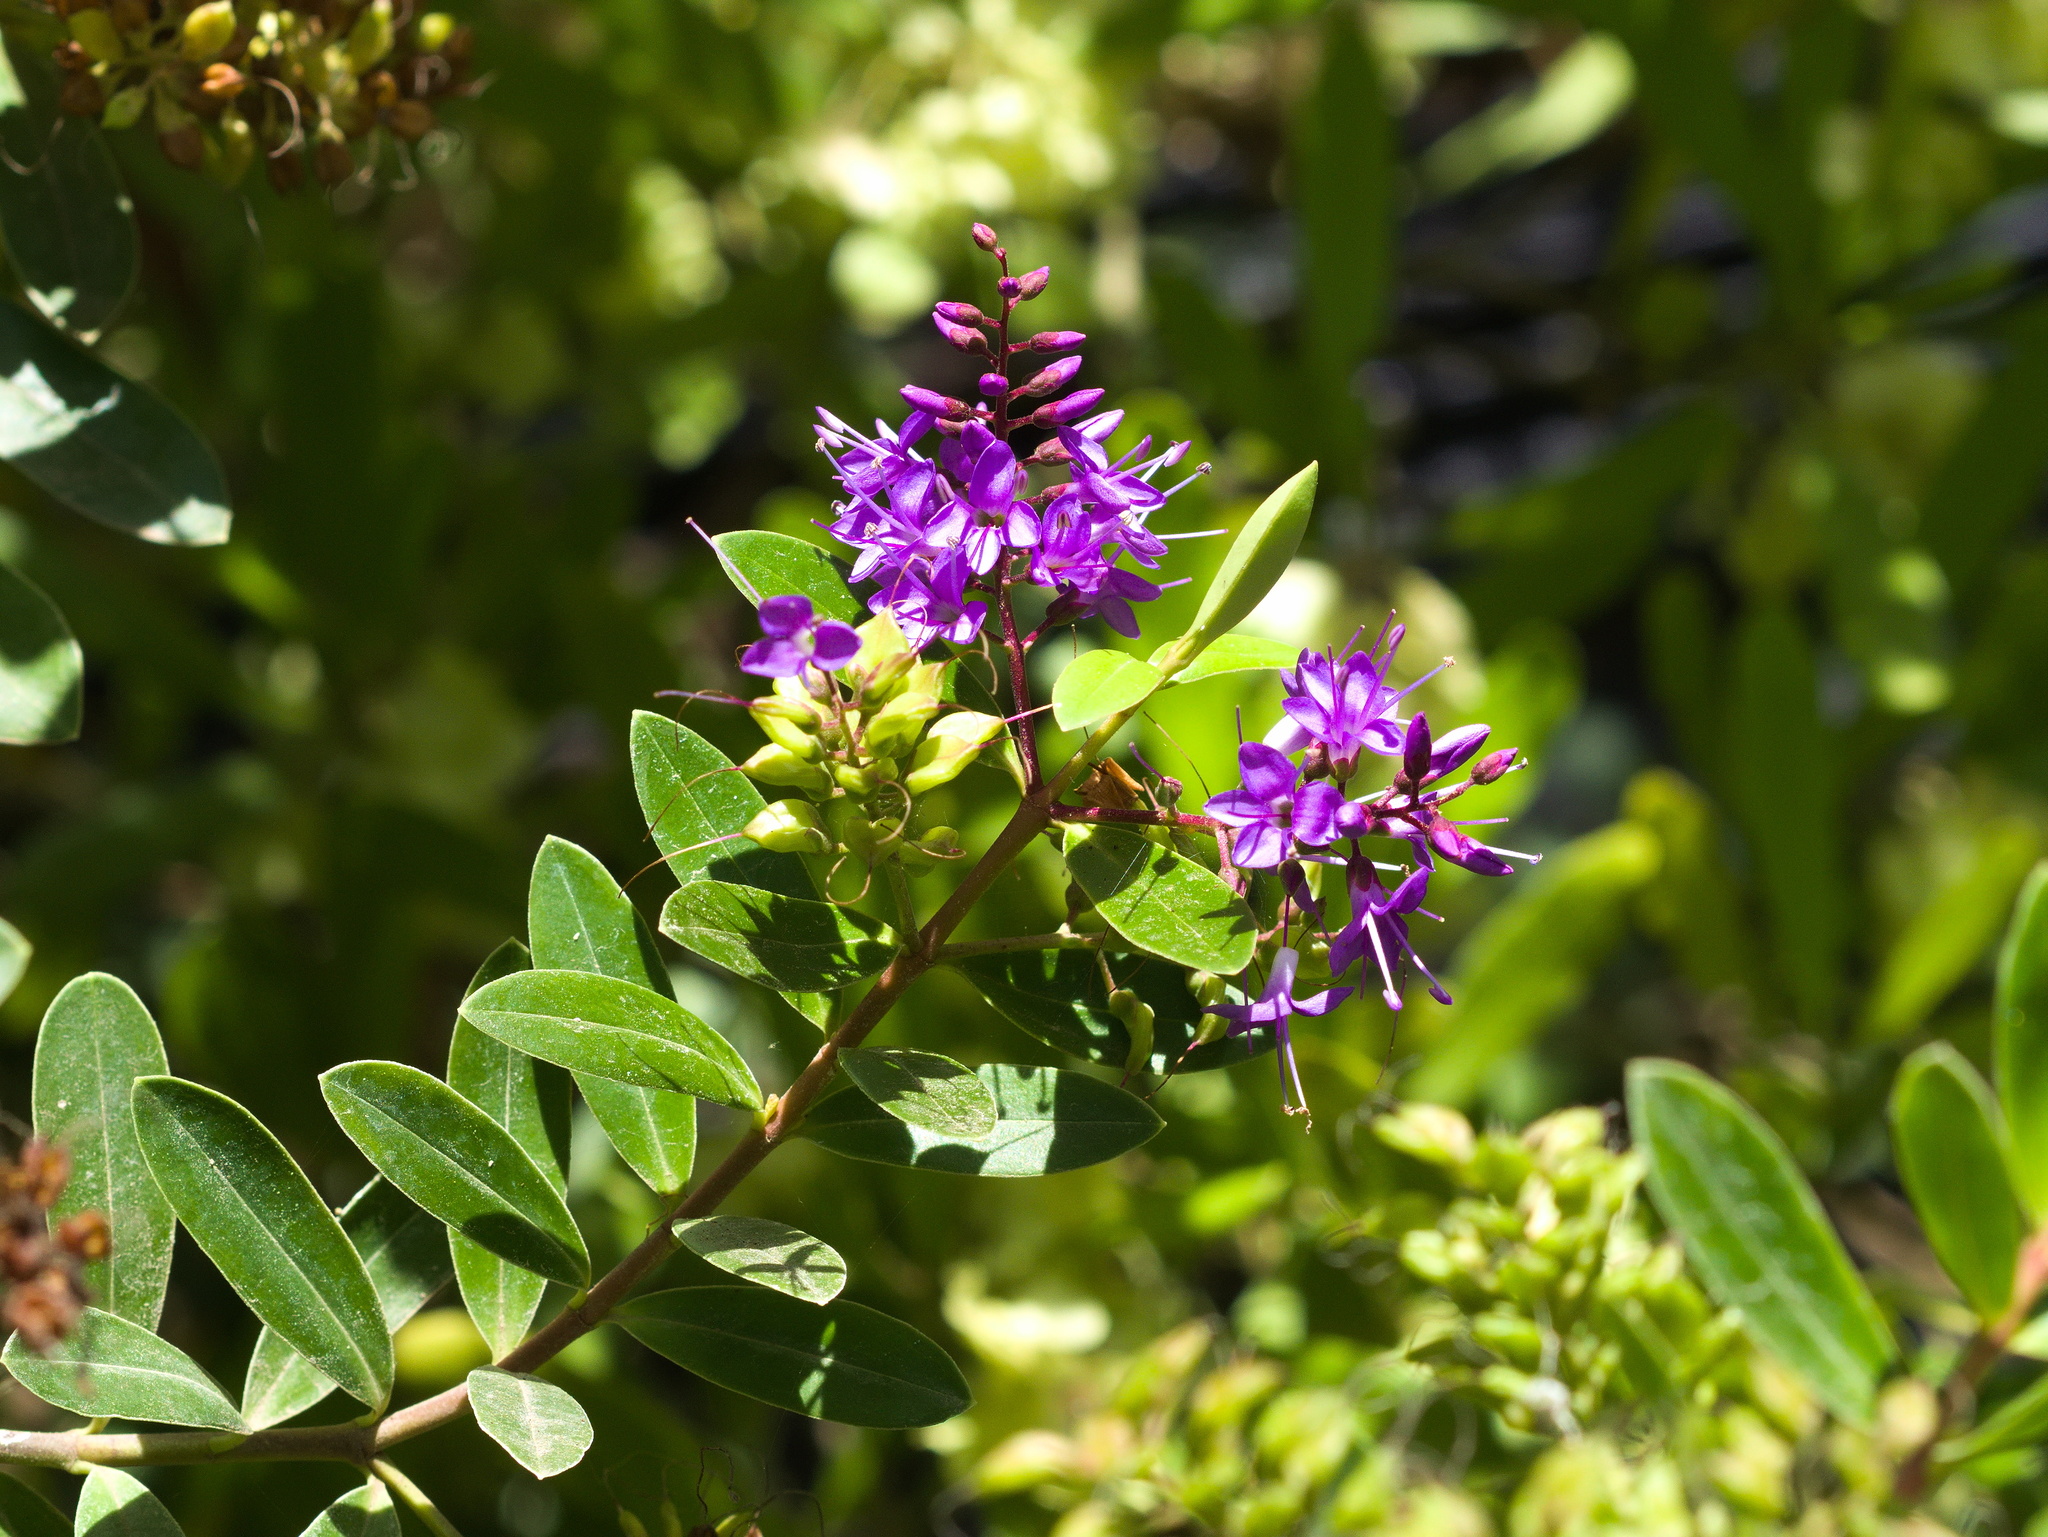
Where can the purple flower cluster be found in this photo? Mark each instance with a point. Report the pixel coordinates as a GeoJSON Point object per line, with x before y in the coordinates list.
{"type": "Point", "coordinates": [940, 507]}
{"type": "Point", "coordinates": [1294, 806]}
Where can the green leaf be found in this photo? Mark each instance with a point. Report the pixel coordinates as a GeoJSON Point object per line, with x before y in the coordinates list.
{"type": "Point", "coordinates": [1060, 998]}
{"type": "Point", "coordinates": [541, 1427]}
{"type": "Point", "coordinates": [767, 1253]}
{"type": "Point", "coordinates": [110, 1368]}
{"type": "Point", "coordinates": [579, 920]}
{"type": "Point", "coordinates": [1047, 1121]}
{"type": "Point", "coordinates": [838, 1362]}
{"type": "Point", "coordinates": [15, 951]}
{"type": "Point", "coordinates": [105, 445]}
{"type": "Point", "coordinates": [405, 1254]}
{"type": "Point", "coordinates": [1161, 901]}
{"type": "Point", "coordinates": [1756, 1232]}
{"type": "Point", "coordinates": [362, 1512]}
{"type": "Point", "coordinates": [764, 565]}
{"type": "Point", "coordinates": [2021, 1420]}
{"type": "Point", "coordinates": [1990, 477]}
{"type": "Point", "coordinates": [1953, 1155]}
{"type": "Point", "coordinates": [599, 1025]}
{"type": "Point", "coordinates": [266, 1230]}
{"type": "Point", "coordinates": [2020, 1038]}
{"type": "Point", "coordinates": [42, 669]}
{"type": "Point", "coordinates": [922, 1088]}
{"type": "Point", "coordinates": [788, 943]}
{"type": "Point", "coordinates": [114, 1505]}
{"type": "Point", "coordinates": [96, 1040]}
{"type": "Point", "coordinates": [1235, 652]}
{"type": "Point", "coordinates": [1262, 550]}
{"type": "Point", "coordinates": [1957, 922]}
{"type": "Point", "coordinates": [24, 1513]}
{"type": "Point", "coordinates": [696, 802]}
{"type": "Point", "coordinates": [68, 224]}
{"type": "Point", "coordinates": [457, 1163]}
{"type": "Point", "coordinates": [531, 1099]}
{"type": "Point", "coordinates": [1099, 684]}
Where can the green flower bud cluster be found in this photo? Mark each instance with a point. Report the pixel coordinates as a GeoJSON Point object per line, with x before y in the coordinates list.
{"type": "Point", "coordinates": [336, 82]}
{"type": "Point", "coordinates": [861, 746]}
{"type": "Point", "coordinates": [1554, 1370]}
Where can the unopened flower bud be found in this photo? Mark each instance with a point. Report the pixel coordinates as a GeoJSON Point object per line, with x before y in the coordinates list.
{"type": "Point", "coordinates": [1493, 765]}
{"type": "Point", "coordinates": [898, 723]}
{"type": "Point", "coordinates": [1060, 412]}
{"type": "Point", "coordinates": [94, 31]}
{"type": "Point", "coordinates": [411, 120]}
{"type": "Point", "coordinates": [776, 765]}
{"type": "Point", "coordinates": [1135, 1015]}
{"type": "Point", "coordinates": [208, 29]}
{"type": "Point", "coordinates": [960, 314]}
{"type": "Point", "coordinates": [962, 338]}
{"type": "Point", "coordinates": [124, 107]}
{"type": "Point", "coordinates": [1431, 1133]}
{"type": "Point", "coordinates": [787, 827]}
{"type": "Point", "coordinates": [1052, 377]}
{"type": "Point", "coordinates": [1056, 341]}
{"type": "Point", "coordinates": [332, 162]}
{"type": "Point", "coordinates": [992, 384]}
{"type": "Point", "coordinates": [1415, 750]}
{"type": "Point", "coordinates": [1008, 287]}
{"type": "Point", "coordinates": [80, 96]}
{"type": "Point", "coordinates": [378, 89]}
{"type": "Point", "coordinates": [856, 780]}
{"type": "Point", "coordinates": [941, 842]}
{"type": "Point", "coordinates": [953, 742]}
{"type": "Point", "coordinates": [370, 38]}
{"type": "Point", "coordinates": [984, 237]}
{"type": "Point", "coordinates": [933, 401]}
{"type": "Point", "coordinates": [230, 150]}
{"type": "Point", "coordinates": [286, 172]}
{"type": "Point", "coordinates": [433, 31]}
{"type": "Point", "coordinates": [1032, 284]}
{"type": "Point", "coordinates": [222, 82]}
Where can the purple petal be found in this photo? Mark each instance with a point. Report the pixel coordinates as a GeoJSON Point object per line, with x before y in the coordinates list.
{"type": "Point", "coordinates": [1238, 808]}
{"type": "Point", "coordinates": [1322, 1003]}
{"type": "Point", "coordinates": [1454, 747]}
{"type": "Point", "coordinates": [834, 644]}
{"type": "Point", "coordinates": [786, 615]}
{"type": "Point", "coordinates": [1266, 773]}
{"type": "Point", "coordinates": [774, 657]}
{"type": "Point", "coordinates": [1316, 807]}
{"type": "Point", "coordinates": [995, 477]}
{"type": "Point", "coordinates": [1258, 847]}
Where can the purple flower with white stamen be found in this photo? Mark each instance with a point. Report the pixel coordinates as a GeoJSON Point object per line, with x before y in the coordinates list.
{"type": "Point", "coordinates": [932, 605]}
{"type": "Point", "coordinates": [1378, 929]}
{"type": "Point", "coordinates": [1274, 811]}
{"type": "Point", "coordinates": [1274, 1006]}
{"type": "Point", "coordinates": [997, 520]}
{"type": "Point", "coordinates": [793, 638]}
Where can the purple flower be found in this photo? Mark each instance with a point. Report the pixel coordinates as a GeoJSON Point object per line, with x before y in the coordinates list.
{"type": "Point", "coordinates": [932, 606]}
{"type": "Point", "coordinates": [996, 520]}
{"type": "Point", "coordinates": [1438, 835]}
{"type": "Point", "coordinates": [793, 638]}
{"type": "Point", "coordinates": [1378, 928]}
{"type": "Point", "coordinates": [1274, 811]}
{"type": "Point", "coordinates": [1071, 561]}
{"type": "Point", "coordinates": [1274, 1007]}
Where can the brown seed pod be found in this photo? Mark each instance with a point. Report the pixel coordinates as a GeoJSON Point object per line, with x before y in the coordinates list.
{"type": "Point", "coordinates": [184, 146]}
{"type": "Point", "coordinates": [86, 1236]}
{"type": "Point", "coordinates": [80, 95]}
{"type": "Point", "coordinates": [222, 82]}
{"type": "Point", "coordinates": [44, 1309]}
{"type": "Point", "coordinates": [410, 119]}
{"type": "Point", "coordinates": [379, 89]}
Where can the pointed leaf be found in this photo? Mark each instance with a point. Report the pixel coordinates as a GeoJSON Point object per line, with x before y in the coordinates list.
{"type": "Point", "coordinates": [764, 565]}
{"type": "Point", "coordinates": [1235, 652]}
{"type": "Point", "coordinates": [2020, 1038]}
{"type": "Point", "coordinates": [2021, 1420]}
{"type": "Point", "coordinates": [770, 1254]}
{"type": "Point", "coordinates": [924, 1089]}
{"type": "Point", "coordinates": [599, 1025]}
{"type": "Point", "coordinates": [457, 1163]}
{"type": "Point", "coordinates": [1059, 997]}
{"type": "Point", "coordinates": [112, 1504]}
{"type": "Point", "coordinates": [24, 1513]}
{"type": "Point", "coordinates": [1047, 1120]}
{"type": "Point", "coordinates": [364, 1512]}
{"type": "Point", "coordinates": [1263, 549]}
{"type": "Point", "coordinates": [405, 1254]}
{"type": "Point", "coordinates": [96, 1040]}
{"type": "Point", "coordinates": [110, 1368]}
{"type": "Point", "coordinates": [105, 445]}
{"type": "Point", "coordinates": [696, 802]}
{"type": "Point", "coordinates": [261, 1223]}
{"type": "Point", "coordinates": [541, 1427]}
{"type": "Point", "coordinates": [42, 670]}
{"type": "Point", "coordinates": [1099, 684]}
{"type": "Point", "coordinates": [15, 951]}
{"type": "Point", "coordinates": [838, 1362]}
{"type": "Point", "coordinates": [787, 943]}
{"type": "Point", "coordinates": [1161, 901]}
{"type": "Point", "coordinates": [1953, 1155]}
{"type": "Point", "coordinates": [1755, 1230]}
{"type": "Point", "coordinates": [579, 920]}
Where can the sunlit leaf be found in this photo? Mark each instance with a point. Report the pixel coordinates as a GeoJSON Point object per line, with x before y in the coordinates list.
{"type": "Point", "coordinates": [540, 1426]}
{"type": "Point", "coordinates": [1260, 553]}
{"type": "Point", "coordinates": [110, 1368]}
{"type": "Point", "coordinates": [363, 1512]}
{"type": "Point", "coordinates": [1099, 684]}
{"type": "Point", "coordinates": [696, 802]}
{"type": "Point", "coordinates": [766, 565]}
{"type": "Point", "coordinates": [113, 1504]}
{"type": "Point", "coordinates": [1161, 901]}
{"type": "Point", "coordinates": [768, 1254]}
{"type": "Point", "coordinates": [1236, 652]}
{"type": "Point", "coordinates": [42, 669]}
{"type": "Point", "coordinates": [15, 951]}
{"type": "Point", "coordinates": [787, 943]}
{"type": "Point", "coordinates": [2020, 1039]}
{"type": "Point", "coordinates": [1953, 1154]}
{"type": "Point", "coordinates": [923, 1089]}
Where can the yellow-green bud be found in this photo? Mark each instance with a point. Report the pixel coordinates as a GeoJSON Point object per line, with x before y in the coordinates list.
{"type": "Point", "coordinates": [1135, 1015]}
{"type": "Point", "coordinates": [953, 742]}
{"type": "Point", "coordinates": [787, 827]}
{"type": "Point", "coordinates": [898, 723]}
{"type": "Point", "coordinates": [1431, 1133]}
{"type": "Point", "coordinates": [230, 153]}
{"type": "Point", "coordinates": [800, 737]}
{"type": "Point", "coordinates": [435, 28]}
{"type": "Point", "coordinates": [777, 765]}
{"type": "Point", "coordinates": [124, 107]}
{"type": "Point", "coordinates": [93, 31]}
{"type": "Point", "coordinates": [1510, 1335]}
{"type": "Point", "coordinates": [208, 29]}
{"type": "Point", "coordinates": [855, 780]}
{"type": "Point", "coordinates": [369, 39]}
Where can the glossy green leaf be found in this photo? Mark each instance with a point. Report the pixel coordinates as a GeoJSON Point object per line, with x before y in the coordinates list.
{"type": "Point", "coordinates": [1756, 1232]}
{"type": "Point", "coordinates": [42, 669]}
{"type": "Point", "coordinates": [765, 565]}
{"type": "Point", "coordinates": [696, 802]}
{"type": "Point", "coordinates": [96, 1040]}
{"type": "Point", "coordinates": [787, 943]}
{"type": "Point", "coordinates": [112, 1504]}
{"type": "Point", "coordinates": [2020, 1039]}
{"type": "Point", "coordinates": [1943, 942]}
{"type": "Point", "coordinates": [1060, 998]}
{"type": "Point", "coordinates": [65, 216]}
{"type": "Point", "coordinates": [838, 1362]}
{"type": "Point", "coordinates": [1236, 652]}
{"type": "Point", "coordinates": [24, 1513]}
{"type": "Point", "coordinates": [768, 1254]}
{"type": "Point", "coordinates": [15, 951]}
{"type": "Point", "coordinates": [458, 1164]}
{"type": "Point", "coordinates": [924, 1089]}
{"type": "Point", "coordinates": [1161, 901]}
{"type": "Point", "coordinates": [2021, 1421]}
{"type": "Point", "coordinates": [600, 1025]}
{"type": "Point", "coordinates": [405, 1254]}
{"type": "Point", "coordinates": [579, 920]}
{"type": "Point", "coordinates": [1099, 684]}
{"type": "Point", "coordinates": [105, 445]}
{"type": "Point", "coordinates": [1047, 1120]}
{"type": "Point", "coordinates": [363, 1512]}
{"type": "Point", "coordinates": [110, 1368]}
{"type": "Point", "coordinates": [540, 1426]}
{"type": "Point", "coordinates": [266, 1230]}
{"type": "Point", "coordinates": [1263, 549]}
{"type": "Point", "coordinates": [1953, 1154]}
{"type": "Point", "coordinates": [531, 1099]}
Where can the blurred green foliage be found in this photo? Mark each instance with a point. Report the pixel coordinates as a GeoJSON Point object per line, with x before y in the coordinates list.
{"type": "Point", "coordinates": [1679, 367]}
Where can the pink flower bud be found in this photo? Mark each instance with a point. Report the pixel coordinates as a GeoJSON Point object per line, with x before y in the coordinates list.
{"type": "Point", "coordinates": [1052, 377]}
{"type": "Point", "coordinates": [1009, 288]}
{"type": "Point", "coordinates": [1060, 412]}
{"type": "Point", "coordinates": [992, 384]}
{"type": "Point", "coordinates": [984, 237]}
{"type": "Point", "coordinates": [932, 401]}
{"type": "Point", "coordinates": [1056, 341]}
{"type": "Point", "coordinates": [1032, 284]}
{"type": "Point", "coordinates": [963, 338]}
{"type": "Point", "coordinates": [960, 314]}
{"type": "Point", "coordinates": [1493, 765]}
